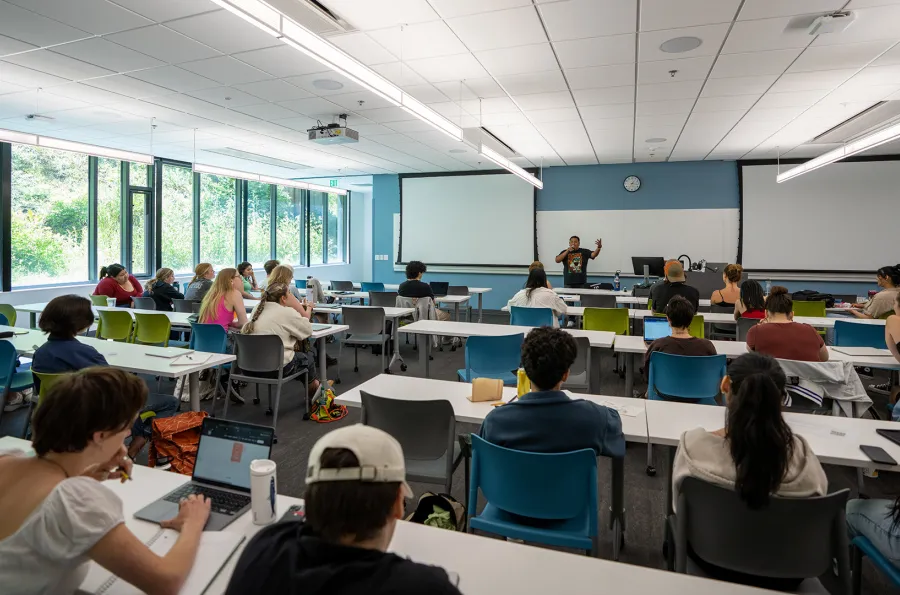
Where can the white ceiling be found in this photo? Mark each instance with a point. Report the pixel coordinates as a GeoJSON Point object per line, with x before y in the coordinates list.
{"type": "Point", "coordinates": [562, 82]}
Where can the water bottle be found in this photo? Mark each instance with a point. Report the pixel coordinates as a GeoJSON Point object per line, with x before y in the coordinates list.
{"type": "Point", "coordinates": [617, 283]}
{"type": "Point", "coordinates": [768, 286]}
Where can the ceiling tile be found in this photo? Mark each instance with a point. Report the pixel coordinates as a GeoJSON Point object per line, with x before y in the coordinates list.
{"type": "Point", "coordinates": [729, 103]}
{"type": "Point", "coordinates": [380, 14]}
{"type": "Point", "coordinates": [878, 75]}
{"type": "Point", "coordinates": [539, 101]}
{"type": "Point", "coordinates": [472, 88]}
{"type": "Point", "coordinates": [794, 99]}
{"type": "Point", "coordinates": [273, 90]}
{"type": "Point", "coordinates": [765, 34]}
{"type": "Point", "coordinates": [618, 111]}
{"type": "Point", "coordinates": [446, 68]}
{"type": "Point", "coordinates": [662, 108]}
{"type": "Point", "coordinates": [226, 70]}
{"type": "Point", "coordinates": [811, 81]}
{"type": "Point", "coordinates": [596, 51]}
{"type": "Point", "coordinates": [833, 57]}
{"type": "Point", "coordinates": [266, 111]}
{"type": "Point", "coordinates": [595, 77]}
{"type": "Point", "coordinates": [741, 85]}
{"type": "Point", "coordinates": [892, 56]}
{"type": "Point", "coordinates": [57, 65]}
{"type": "Point", "coordinates": [302, 124]}
{"type": "Point", "coordinates": [608, 96]}
{"type": "Point", "coordinates": [363, 48]}
{"type": "Point", "coordinates": [503, 119]}
{"type": "Point", "coordinates": [753, 63]}
{"type": "Point", "coordinates": [8, 45]}
{"type": "Point", "coordinates": [165, 10]}
{"type": "Point", "coordinates": [772, 114]}
{"type": "Point", "coordinates": [163, 43]}
{"type": "Point", "coordinates": [763, 9]}
{"type": "Point", "coordinates": [518, 60]}
{"type": "Point", "coordinates": [538, 82]}
{"type": "Point", "coordinates": [312, 106]}
{"type": "Point", "coordinates": [864, 93]}
{"type": "Point", "coordinates": [665, 14]}
{"type": "Point", "coordinates": [580, 19]}
{"type": "Point", "coordinates": [423, 40]}
{"type": "Point", "coordinates": [226, 97]}
{"type": "Point", "coordinates": [351, 101]}
{"type": "Point", "coordinates": [711, 35]}
{"type": "Point", "coordinates": [457, 8]}
{"type": "Point", "coordinates": [32, 28]}
{"type": "Point", "coordinates": [496, 105]}
{"type": "Point", "coordinates": [400, 73]}
{"type": "Point", "coordinates": [94, 16]}
{"type": "Point", "coordinates": [128, 86]}
{"type": "Point", "coordinates": [312, 84]}
{"type": "Point", "coordinates": [642, 123]}
{"type": "Point", "coordinates": [562, 114]}
{"type": "Point", "coordinates": [686, 69]}
{"type": "Point", "coordinates": [85, 93]}
{"type": "Point", "coordinates": [281, 61]}
{"type": "Point", "coordinates": [224, 31]}
{"type": "Point", "coordinates": [503, 28]}
{"type": "Point", "coordinates": [871, 24]}
{"type": "Point", "coordinates": [174, 78]}
{"type": "Point", "coordinates": [107, 55]}
{"type": "Point", "coordinates": [665, 91]}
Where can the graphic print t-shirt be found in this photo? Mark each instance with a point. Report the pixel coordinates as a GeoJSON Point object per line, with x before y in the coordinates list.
{"type": "Point", "coordinates": [575, 269]}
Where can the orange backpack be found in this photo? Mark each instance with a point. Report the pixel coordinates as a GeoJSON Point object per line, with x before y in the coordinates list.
{"type": "Point", "coordinates": [175, 440]}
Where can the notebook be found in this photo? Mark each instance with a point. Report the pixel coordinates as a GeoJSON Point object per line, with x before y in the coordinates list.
{"type": "Point", "coordinates": [863, 351]}
{"type": "Point", "coordinates": [216, 547]}
{"type": "Point", "coordinates": [169, 352]}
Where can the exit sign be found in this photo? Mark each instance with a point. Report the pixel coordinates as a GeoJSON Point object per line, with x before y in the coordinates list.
{"type": "Point", "coordinates": [332, 183]}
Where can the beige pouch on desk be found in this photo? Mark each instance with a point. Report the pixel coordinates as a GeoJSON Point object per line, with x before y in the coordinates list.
{"type": "Point", "coordinates": [486, 389]}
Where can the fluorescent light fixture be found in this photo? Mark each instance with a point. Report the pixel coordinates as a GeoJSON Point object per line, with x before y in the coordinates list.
{"type": "Point", "coordinates": [11, 136]}
{"type": "Point", "coordinates": [510, 166]}
{"type": "Point", "coordinates": [256, 13]}
{"type": "Point", "coordinates": [423, 112]}
{"type": "Point", "coordinates": [67, 145]}
{"type": "Point", "coordinates": [870, 141]}
{"type": "Point", "coordinates": [222, 171]}
{"type": "Point", "coordinates": [328, 189]}
{"type": "Point", "coordinates": [283, 182]}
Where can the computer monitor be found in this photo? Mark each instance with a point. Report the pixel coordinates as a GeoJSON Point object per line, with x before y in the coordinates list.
{"type": "Point", "coordinates": [656, 264]}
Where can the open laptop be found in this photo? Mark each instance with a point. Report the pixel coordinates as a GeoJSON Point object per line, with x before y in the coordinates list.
{"type": "Point", "coordinates": [440, 288]}
{"type": "Point", "coordinates": [656, 327]}
{"type": "Point", "coordinates": [221, 472]}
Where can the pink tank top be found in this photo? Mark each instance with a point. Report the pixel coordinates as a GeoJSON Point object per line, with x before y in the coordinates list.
{"type": "Point", "coordinates": [222, 316]}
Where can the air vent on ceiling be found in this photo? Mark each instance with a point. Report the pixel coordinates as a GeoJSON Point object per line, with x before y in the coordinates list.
{"type": "Point", "coordinates": [868, 120]}
{"type": "Point", "coordinates": [257, 158]}
{"type": "Point", "coordinates": [313, 15]}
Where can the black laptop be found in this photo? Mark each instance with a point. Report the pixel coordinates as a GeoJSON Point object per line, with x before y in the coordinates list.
{"type": "Point", "coordinates": [440, 288]}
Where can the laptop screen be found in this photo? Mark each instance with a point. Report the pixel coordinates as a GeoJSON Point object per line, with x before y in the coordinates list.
{"type": "Point", "coordinates": [656, 328]}
{"type": "Point", "coordinates": [226, 449]}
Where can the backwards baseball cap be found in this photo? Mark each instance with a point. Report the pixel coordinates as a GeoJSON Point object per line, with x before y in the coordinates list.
{"type": "Point", "coordinates": [379, 454]}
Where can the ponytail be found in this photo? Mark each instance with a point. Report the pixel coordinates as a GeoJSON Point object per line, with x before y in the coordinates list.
{"type": "Point", "coordinates": [161, 275]}
{"type": "Point", "coordinates": [760, 441]}
{"type": "Point", "coordinates": [272, 293]}
{"type": "Point", "coordinates": [111, 270]}
{"type": "Point", "coordinates": [200, 271]}
{"type": "Point", "coordinates": [892, 273]}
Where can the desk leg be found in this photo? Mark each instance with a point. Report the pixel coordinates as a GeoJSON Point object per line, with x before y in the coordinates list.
{"type": "Point", "coordinates": [480, 311]}
{"type": "Point", "coordinates": [456, 307]}
{"type": "Point", "coordinates": [194, 388]}
{"type": "Point", "coordinates": [395, 335]}
{"type": "Point", "coordinates": [425, 353]}
{"type": "Point", "coordinates": [32, 319]}
{"type": "Point", "coordinates": [629, 374]}
{"type": "Point", "coordinates": [323, 363]}
{"type": "Point", "coordinates": [617, 505]}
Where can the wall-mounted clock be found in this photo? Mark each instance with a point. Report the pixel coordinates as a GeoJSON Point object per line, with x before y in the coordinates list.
{"type": "Point", "coordinates": [632, 183]}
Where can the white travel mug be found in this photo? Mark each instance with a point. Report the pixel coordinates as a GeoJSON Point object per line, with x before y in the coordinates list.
{"type": "Point", "coordinates": [263, 491]}
{"type": "Point", "coordinates": [110, 302]}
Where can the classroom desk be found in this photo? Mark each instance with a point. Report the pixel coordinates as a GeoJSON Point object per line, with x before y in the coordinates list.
{"type": "Point", "coordinates": [389, 314]}
{"type": "Point", "coordinates": [479, 291]}
{"type": "Point", "coordinates": [642, 301]}
{"type": "Point", "coordinates": [179, 319]}
{"type": "Point", "coordinates": [456, 300]}
{"type": "Point", "coordinates": [589, 291]}
{"type": "Point", "coordinates": [727, 318]}
{"type": "Point", "coordinates": [133, 357]}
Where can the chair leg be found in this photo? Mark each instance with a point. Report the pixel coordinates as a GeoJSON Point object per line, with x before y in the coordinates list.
{"type": "Point", "coordinates": [856, 569]}
{"type": "Point", "coordinates": [651, 470]}
{"type": "Point", "coordinates": [356, 358]}
{"type": "Point", "coordinates": [277, 399]}
{"type": "Point", "coordinates": [269, 399]}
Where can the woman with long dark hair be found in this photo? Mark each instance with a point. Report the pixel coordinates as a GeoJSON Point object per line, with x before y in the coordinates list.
{"type": "Point", "coordinates": [752, 303]}
{"type": "Point", "coordinates": [116, 282]}
{"type": "Point", "coordinates": [882, 304]}
{"type": "Point", "coordinates": [537, 295]}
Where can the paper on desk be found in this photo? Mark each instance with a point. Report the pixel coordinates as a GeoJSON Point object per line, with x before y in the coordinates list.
{"type": "Point", "coordinates": [626, 410]}
{"type": "Point", "coordinates": [805, 429]}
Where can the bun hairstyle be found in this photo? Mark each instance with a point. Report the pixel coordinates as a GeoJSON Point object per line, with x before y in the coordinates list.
{"type": "Point", "coordinates": [112, 270]}
{"type": "Point", "coordinates": [779, 301]}
{"type": "Point", "coordinates": [892, 273]}
{"type": "Point", "coordinates": [733, 273]}
{"type": "Point", "coordinates": [200, 271]}
{"type": "Point", "coordinates": [272, 293]}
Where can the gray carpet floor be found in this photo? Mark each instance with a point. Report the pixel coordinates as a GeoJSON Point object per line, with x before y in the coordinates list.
{"type": "Point", "coordinates": [644, 495]}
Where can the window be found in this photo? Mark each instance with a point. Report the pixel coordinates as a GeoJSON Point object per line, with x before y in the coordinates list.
{"type": "Point", "coordinates": [337, 228]}
{"type": "Point", "coordinates": [217, 220]}
{"type": "Point", "coordinates": [316, 227]}
{"type": "Point", "coordinates": [109, 211]}
{"type": "Point", "coordinates": [289, 225]}
{"type": "Point", "coordinates": [49, 216]}
{"type": "Point", "coordinates": [259, 223]}
{"type": "Point", "coordinates": [177, 212]}
{"type": "Point", "coordinates": [139, 174]}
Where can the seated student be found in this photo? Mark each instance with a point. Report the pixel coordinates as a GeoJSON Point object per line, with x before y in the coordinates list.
{"type": "Point", "coordinates": [280, 313]}
{"type": "Point", "coordinates": [752, 303]}
{"type": "Point", "coordinates": [161, 290]}
{"type": "Point", "coordinates": [756, 453]}
{"type": "Point", "coordinates": [284, 275]}
{"type": "Point", "coordinates": [201, 283]}
{"type": "Point", "coordinates": [537, 264]}
{"type": "Point", "coordinates": [351, 515]}
{"type": "Point", "coordinates": [65, 317]}
{"type": "Point", "coordinates": [679, 313]}
{"type": "Point", "coordinates": [731, 293]}
{"type": "Point", "coordinates": [657, 287]}
{"type": "Point", "coordinates": [892, 342]}
{"type": "Point", "coordinates": [537, 295]}
{"type": "Point", "coordinates": [268, 267]}
{"type": "Point", "coordinates": [779, 336]}
{"type": "Point", "coordinates": [547, 419]}
{"type": "Point", "coordinates": [888, 278]}
{"type": "Point", "coordinates": [413, 287]}
{"type": "Point", "coordinates": [115, 282]}
{"type": "Point", "coordinates": [57, 513]}
{"type": "Point", "coordinates": [878, 520]}
{"type": "Point", "coordinates": [675, 285]}
{"type": "Point", "coordinates": [223, 303]}
{"type": "Point", "coordinates": [248, 280]}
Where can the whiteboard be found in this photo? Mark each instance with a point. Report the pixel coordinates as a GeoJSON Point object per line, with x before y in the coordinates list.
{"type": "Point", "coordinates": [710, 234]}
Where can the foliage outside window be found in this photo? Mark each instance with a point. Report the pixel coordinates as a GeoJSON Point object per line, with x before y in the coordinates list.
{"type": "Point", "coordinates": [217, 220]}
{"type": "Point", "coordinates": [337, 219]}
{"type": "Point", "coordinates": [109, 210]}
{"type": "Point", "coordinates": [177, 212]}
{"type": "Point", "coordinates": [259, 223]}
{"type": "Point", "coordinates": [316, 227]}
{"type": "Point", "coordinates": [289, 225]}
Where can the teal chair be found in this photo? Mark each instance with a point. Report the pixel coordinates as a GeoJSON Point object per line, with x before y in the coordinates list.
{"type": "Point", "coordinates": [524, 316]}
{"type": "Point", "coordinates": [11, 381]}
{"type": "Point", "coordinates": [861, 546]}
{"type": "Point", "coordinates": [493, 357]}
{"type": "Point", "coordinates": [858, 334]}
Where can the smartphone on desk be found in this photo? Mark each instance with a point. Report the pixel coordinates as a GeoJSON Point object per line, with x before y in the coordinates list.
{"type": "Point", "coordinates": [877, 454]}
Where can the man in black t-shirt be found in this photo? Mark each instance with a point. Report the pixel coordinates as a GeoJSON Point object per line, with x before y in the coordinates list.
{"type": "Point", "coordinates": [675, 285]}
{"type": "Point", "coordinates": [414, 287]}
{"type": "Point", "coordinates": [575, 259]}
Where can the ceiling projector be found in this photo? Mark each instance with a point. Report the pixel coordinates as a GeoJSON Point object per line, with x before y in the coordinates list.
{"type": "Point", "coordinates": [334, 133]}
{"type": "Point", "coordinates": [831, 23]}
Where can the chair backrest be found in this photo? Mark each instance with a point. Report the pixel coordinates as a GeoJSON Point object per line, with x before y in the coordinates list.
{"type": "Point", "coordinates": [685, 377]}
{"type": "Point", "coordinates": [151, 328]}
{"type": "Point", "coordinates": [789, 538]}
{"type": "Point", "coordinates": [259, 353]}
{"type": "Point", "coordinates": [368, 287]}
{"type": "Point", "coordinates": [598, 301]}
{"type": "Point", "coordinates": [721, 308]}
{"type": "Point", "coordinates": [115, 325]}
{"type": "Point", "coordinates": [342, 286]}
{"type": "Point", "coordinates": [8, 356]}
{"type": "Point", "coordinates": [858, 334]}
{"type": "Point", "coordinates": [300, 283]}
{"type": "Point", "coordinates": [458, 290]}
{"type": "Point", "coordinates": [98, 300]}
{"type": "Point", "coordinates": [195, 307]}
{"type": "Point", "coordinates": [439, 287]}
{"type": "Point", "coordinates": [524, 316]}
{"type": "Point", "coordinates": [607, 319]}
{"type": "Point", "coordinates": [46, 382]}
{"type": "Point", "coordinates": [697, 328]}
{"type": "Point", "coordinates": [210, 338]}
{"type": "Point", "coordinates": [536, 485]}
{"type": "Point", "coordinates": [493, 355]}
{"type": "Point", "coordinates": [364, 320]}
{"type": "Point", "coordinates": [4, 321]}
{"type": "Point", "coordinates": [10, 313]}
{"type": "Point", "coordinates": [184, 306]}
{"type": "Point", "coordinates": [383, 299]}
{"type": "Point", "coordinates": [584, 349]}
{"type": "Point", "coordinates": [424, 429]}
{"type": "Point", "coordinates": [144, 303]}
{"type": "Point", "coordinates": [743, 327]}
{"type": "Point", "coordinates": [802, 308]}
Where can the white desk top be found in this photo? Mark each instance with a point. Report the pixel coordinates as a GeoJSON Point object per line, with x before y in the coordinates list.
{"type": "Point", "coordinates": [175, 318]}
{"type": "Point", "coordinates": [588, 291]}
{"type": "Point", "coordinates": [396, 286]}
{"type": "Point", "coordinates": [603, 339]}
{"type": "Point", "coordinates": [643, 300]}
{"type": "Point", "coordinates": [388, 312]}
{"type": "Point", "coordinates": [364, 295]}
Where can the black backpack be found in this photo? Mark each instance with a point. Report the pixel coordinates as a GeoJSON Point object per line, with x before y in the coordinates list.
{"type": "Point", "coordinates": [810, 295]}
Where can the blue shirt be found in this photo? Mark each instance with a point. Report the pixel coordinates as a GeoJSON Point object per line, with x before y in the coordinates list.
{"type": "Point", "coordinates": [551, 421]}
{"type": "Point", "coordinates": [58, 356]}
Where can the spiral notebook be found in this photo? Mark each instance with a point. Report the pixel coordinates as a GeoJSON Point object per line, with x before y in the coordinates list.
{"type": "Point", "coordinates": [216, 547]}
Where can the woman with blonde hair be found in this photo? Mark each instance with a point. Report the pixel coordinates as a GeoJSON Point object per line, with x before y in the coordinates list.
{"type": "Point", "coordinates": [162, 291]}
{"type": "Point", "coordinates": [284, 274]}
{"type": "Point", "coordinates": [223, 304]}
{"type": "Point", "coordinates": [280, 313]}
{"type": "Point", "coordinates": [201, 283]}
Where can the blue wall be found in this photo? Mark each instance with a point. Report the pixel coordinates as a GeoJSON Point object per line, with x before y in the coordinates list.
{"type": "Point", "coordinates": [684, 185]}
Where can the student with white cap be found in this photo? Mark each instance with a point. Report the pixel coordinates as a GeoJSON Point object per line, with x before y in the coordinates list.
{"type": "Point", "coordinates": [356, 487]}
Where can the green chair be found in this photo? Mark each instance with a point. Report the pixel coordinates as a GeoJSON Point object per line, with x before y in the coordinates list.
{"type": "Point", "coordinates": [10, 312]}
{"type": "Point", "coordinates": [615, 320]}
{"type": "Point", "coordinates": [649, 304]}
{"type": "Point", "coordinates": [98, 300]}
{"type": "Point", "coordinates": [697, 328]}
{"type": "Point", "coordinates": [809, 309]}
{"type": "Point", "coordinates": [45, 382]}
{"type": "Point", "coordinates": [151, 329]}
{"type": "Point", "coordinates": [115, 325]}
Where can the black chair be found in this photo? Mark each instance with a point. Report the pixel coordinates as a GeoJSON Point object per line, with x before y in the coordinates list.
{"type": "Point", "coordinates": [718, 331]}
{"type": "Point", "coordinates": [789, 538]}
{"type": "Point", "coordinates": [144, 303]}
{"type": "Point", "coordinates": [598, 301]}
{"type": "Point", "coordinates": [184, 306]}
{"type": "Point", "coordinates": [342, 286]}
{"type": "Point", "coordinates": [462, 290]}
{"type": "Point", "coordinates": [195, 307]}
{"type": "Point", "coordinates": [743, 326]}
{"type": "Point", "coordinates": [382, 299]}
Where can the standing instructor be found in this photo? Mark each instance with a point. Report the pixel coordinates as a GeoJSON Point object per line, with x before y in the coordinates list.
{"type": "Point", "coordinates": [575, 262]}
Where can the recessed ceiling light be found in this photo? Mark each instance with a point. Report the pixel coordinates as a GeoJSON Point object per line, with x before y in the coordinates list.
{"type": "Point", "coordinates": [679, 45]}
{"type": "Point", "coordinates": [457, 150]}
{"type": "Point", "coordinates": [655, 139]}
{"type": "Point", "coordinates": [327, 84]}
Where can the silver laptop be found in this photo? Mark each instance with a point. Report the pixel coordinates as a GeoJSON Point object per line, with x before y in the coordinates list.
{"type": "Point", "coordinates": [221, 472]}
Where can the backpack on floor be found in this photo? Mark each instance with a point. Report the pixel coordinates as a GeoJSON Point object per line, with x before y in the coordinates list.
{"type": "Point", "coordinates": [324, 410]}
{"type": "Point", "coordinates": [175, 440]}
{"type": "Point", "coordinates": [439, 510]}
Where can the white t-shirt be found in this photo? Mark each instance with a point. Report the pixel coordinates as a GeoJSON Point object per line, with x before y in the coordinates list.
{"type": "Point", "coordinates": [284, 322]}
{"type": "Point", "coordinates": [541, 297]}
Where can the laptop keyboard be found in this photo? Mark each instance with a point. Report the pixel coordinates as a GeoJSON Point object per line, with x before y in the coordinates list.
{"type": "Point", "coordinates": [222, 502]}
